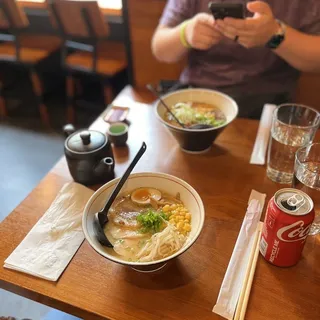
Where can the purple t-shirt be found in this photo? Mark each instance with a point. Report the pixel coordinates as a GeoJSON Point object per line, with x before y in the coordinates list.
{"type": "Point", "coordinates": [234, 69]}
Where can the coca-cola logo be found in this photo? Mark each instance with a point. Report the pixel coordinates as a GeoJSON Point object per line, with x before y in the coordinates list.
{"type": "Point", "coordinates": [294, 232]}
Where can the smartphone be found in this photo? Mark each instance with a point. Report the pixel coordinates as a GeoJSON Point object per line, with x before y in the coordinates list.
{"type": "Point", "coordinates": [223, 10]}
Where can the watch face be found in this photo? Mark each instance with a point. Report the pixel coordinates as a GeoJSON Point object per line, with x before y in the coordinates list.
{"type": "Point", "coordinates": [275, 41]}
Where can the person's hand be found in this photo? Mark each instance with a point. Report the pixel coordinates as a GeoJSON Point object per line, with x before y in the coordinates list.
{"type": "Point", "coordinates": [251, 32]}
{"type": "Point", "coordinates": [201, 33]}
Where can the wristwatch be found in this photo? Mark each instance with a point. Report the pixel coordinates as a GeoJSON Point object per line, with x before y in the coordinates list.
{"type": "Point", "coordinates": [277, 38]}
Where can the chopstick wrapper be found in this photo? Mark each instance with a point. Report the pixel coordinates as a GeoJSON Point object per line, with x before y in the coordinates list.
{"type": "Point", "coordinates": [50, 245]}
{"type": "Point", "coordinates": [235, 274]}
{"type": "Point", "coordinates": [258, 155]}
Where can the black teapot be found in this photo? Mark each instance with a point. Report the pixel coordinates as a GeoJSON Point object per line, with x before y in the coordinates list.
{"type": "Point", "coordinates": [89, 156]}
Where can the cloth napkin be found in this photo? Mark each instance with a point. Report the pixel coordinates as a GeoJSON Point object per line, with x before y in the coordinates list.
{"type": "Point", "coordinates": [233, 280]}
{"type": "Point", "coordinates": [50, 245]}
{"type": "Point", "coordinates": [258, 155]}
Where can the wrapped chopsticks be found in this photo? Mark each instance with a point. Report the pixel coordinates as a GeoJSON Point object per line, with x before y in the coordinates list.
{"type": "Point", "coordinates": [236, 273]}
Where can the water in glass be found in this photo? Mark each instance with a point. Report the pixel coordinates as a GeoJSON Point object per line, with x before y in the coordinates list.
{"type": "Point", "coordinates": [306, 178]}
{"type": "Point", "coordinates": [282, 150]}
{"type": "Point", "coordinates": [293, 126]}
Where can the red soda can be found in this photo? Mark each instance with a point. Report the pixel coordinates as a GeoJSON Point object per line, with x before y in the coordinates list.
{"type": "Point", "coordinates": [288, 220]}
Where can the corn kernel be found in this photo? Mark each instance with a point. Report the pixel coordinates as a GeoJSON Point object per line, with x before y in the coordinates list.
{"type": "Point", "coordinates": [173, 207]}
{"type": "Point", "coordinates": [180, 225]}
{"type": "Point", "coordinates": [186, 221]}
{"type": "Point", "coordinates": [166, 208]}
{"type": "Point", "coordinates": [188, 216]}
{"type": "Point", "coordinates": [187, 227]}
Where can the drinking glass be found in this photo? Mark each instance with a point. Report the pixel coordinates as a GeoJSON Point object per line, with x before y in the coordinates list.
{"type": "Point", "coordinates": [293, 126]}
{"type": "Point", "coordinates": [307, 178]}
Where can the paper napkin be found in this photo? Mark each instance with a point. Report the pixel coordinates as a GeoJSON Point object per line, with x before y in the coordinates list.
{"type": "Point", "coordinates": [50, 245]}
{"type": "Point", "coordinates": [258, 155]}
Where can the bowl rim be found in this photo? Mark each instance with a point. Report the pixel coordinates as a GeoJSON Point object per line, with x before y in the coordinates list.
{"type": "Point", "coordinates": [138, 175]}
{"type": "Point", "coordinates": [158, 102]}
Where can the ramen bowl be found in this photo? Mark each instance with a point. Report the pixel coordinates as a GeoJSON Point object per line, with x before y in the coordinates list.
{"type": "Point", "coordinates": [161, 181]}
{"type": "Point", "coordinates": [201, 140]}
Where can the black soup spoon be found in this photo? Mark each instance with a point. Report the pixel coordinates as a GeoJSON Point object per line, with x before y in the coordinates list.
{"type": "Point", "coordinates": [155, 92]}
{"type": "Point", "coordinates": [101, 217]}
{"type": "Point", "coordinates": [200, 126]}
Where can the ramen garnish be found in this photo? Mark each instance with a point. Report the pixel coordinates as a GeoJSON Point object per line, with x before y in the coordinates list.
{"type": "Point", "coordinates": [191, 113]}
{"type": "Point", "coordinates": [147, 225]}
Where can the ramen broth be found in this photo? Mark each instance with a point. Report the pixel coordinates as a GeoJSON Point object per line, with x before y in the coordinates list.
{"type": "Point", "coordinates": [147, 225]}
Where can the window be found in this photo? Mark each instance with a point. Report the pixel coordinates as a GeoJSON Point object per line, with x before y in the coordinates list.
{"type": "Point", "coordinates": [105, 4]}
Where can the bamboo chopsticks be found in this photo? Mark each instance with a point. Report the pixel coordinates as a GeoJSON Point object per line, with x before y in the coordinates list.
{"type": "Point", "coordinates": [246, 288]}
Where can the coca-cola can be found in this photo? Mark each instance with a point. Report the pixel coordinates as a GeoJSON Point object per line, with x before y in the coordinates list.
{"type": "Point", "coordinates": [288, 220]}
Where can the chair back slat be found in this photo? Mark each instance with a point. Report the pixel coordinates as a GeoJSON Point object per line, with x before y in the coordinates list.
{"type": "Point", "coordinates": [12, 16]}
{"type": "Point", "coordinates": [4, 24]}
{"type": "Point", "coordinates": [82, 19]}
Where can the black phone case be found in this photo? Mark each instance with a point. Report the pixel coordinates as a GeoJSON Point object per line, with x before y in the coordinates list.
{"type": "Point", "coordinates": [223, 10]}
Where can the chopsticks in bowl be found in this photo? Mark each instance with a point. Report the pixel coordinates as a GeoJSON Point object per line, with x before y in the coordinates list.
{"type": "Point", "coordinates": [247, 284]}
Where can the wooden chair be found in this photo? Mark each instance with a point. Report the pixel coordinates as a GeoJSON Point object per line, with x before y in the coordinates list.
{"type": "Point", "coordinates": [141, 18]}
{"type": "Point", "coordinates": [24, 50]}
{"type": "Point", "coordinates": [83, 28]}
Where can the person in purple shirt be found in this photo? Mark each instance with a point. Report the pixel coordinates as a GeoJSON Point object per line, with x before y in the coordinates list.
{"type": "Point", "coordinates": [256, 60]}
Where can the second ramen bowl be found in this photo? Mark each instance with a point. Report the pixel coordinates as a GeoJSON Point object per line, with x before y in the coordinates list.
{"type": "Point", "coordinates": [197, 141]}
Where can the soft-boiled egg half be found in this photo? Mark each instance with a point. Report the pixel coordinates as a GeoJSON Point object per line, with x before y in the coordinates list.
{"type": "Point", "coordinates": [145, 195]}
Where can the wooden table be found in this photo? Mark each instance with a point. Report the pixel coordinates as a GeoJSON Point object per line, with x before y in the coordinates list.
{"type": "Point", "coordinates": [93, 288]}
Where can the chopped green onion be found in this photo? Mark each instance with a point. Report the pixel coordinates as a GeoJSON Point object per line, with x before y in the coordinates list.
{"type": "Point", "coordinates": [151, 221]}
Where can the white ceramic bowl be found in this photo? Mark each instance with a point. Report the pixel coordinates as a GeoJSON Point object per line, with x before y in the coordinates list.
{"type": "Point", "coordinates": [197, 141]}
{"type": "Point", "coordinates": [164, 182]}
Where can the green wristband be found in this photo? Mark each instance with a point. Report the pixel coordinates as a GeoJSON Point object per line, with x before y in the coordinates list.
{"type": "Point", "coordinates": [183, 39]}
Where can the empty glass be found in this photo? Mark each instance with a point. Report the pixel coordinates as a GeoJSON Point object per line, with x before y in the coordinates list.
{"type": "Point", "coordinates": [307, 178]}
{"type": "Point", "coordinates": [293, 126]}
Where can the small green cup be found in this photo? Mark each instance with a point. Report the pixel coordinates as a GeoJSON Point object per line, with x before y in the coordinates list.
{"type": "Point", "coordinates": [118, 133]}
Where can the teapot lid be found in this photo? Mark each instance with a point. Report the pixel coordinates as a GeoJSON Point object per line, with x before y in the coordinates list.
{"type": "Point", "coordinates": [86, 141]}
